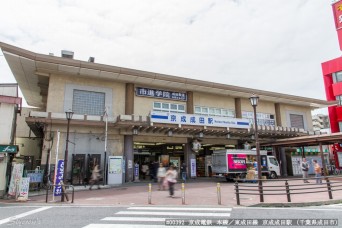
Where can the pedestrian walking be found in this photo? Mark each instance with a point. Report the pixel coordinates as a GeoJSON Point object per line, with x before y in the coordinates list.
{"type": "Point", "coordinates": [305, 168]}
{"type": "Point", "coordinates": [95, 177]}
{"type": "Point", "coordinates": [144, 170]}
{"type": "Point", "coordinates": [171, 177]}
{"type": "Point", "coordinates": [183, 171]}
{"type": "Point", "coordinates": [318, 172]}
{"type": "Point", "coordinates": [161, 176]}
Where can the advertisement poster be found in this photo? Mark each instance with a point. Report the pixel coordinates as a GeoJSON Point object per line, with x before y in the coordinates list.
{"type": "Point", "coordinates": [115, 166]}
{"type": "Point", "coordinates": [165, 160]}
{"type": "Point", "coordinates": [24, 188]}
{"type": "Point", "coordinates": [193, 167]}
{"type": "Point", "coordinates": [17, 174]}
{"type": "Point", "coordinates": [237, 162]}
{"type": "Point", "coordinates": [59, 178]}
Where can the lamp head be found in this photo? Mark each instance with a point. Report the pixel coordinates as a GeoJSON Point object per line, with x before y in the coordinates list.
{"type": "Point", "coordinates": [254, 100]}
{"type": "Point", "coordinates": [69, 114]}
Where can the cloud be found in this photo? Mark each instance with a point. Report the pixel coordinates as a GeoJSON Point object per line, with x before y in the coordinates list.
{"type": "Point", "coordinates": [265, 45]}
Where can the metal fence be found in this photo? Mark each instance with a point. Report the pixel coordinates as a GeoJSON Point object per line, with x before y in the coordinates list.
{"type": "Point", "coordinates": [286, 188]}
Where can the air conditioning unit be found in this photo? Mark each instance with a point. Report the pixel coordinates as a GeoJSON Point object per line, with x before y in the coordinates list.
{"type": "Point", "coordinates": [67, 54]}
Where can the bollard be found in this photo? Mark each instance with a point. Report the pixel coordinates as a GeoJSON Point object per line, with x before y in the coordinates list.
{"type": "Point", "coordinates": [219, 193]}
{"type": "Point", "coordinates": [288, 191]}
{"type": "Point", "coordinates": [149, 193]}
{"type": "Point", "coordinates": [183, 193]}
{"type": "Point", "coordinates": [237, 193]}
{"type": "Point", "coordinates": [329, 188]}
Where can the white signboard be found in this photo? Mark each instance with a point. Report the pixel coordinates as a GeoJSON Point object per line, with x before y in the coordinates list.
{"type": "Point", "coordinates": [17, 174]}
{"type": "Point", "coordinates": [192, 119]}
{"type": "Point", "coordinates": [193, 167]}
{"type": "Point", "coordinates": [24, 188]}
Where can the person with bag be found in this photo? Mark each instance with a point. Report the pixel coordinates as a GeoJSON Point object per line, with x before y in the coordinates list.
{"type": "Point", "coordinates": [171, 177]}
{"type": "Point", "coordinates": [305, 169]}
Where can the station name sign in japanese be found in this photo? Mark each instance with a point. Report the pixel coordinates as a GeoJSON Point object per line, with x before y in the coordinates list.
{"type": "Point", "coordinates": [190, 119]}
{"type": "Point", "coordinates": [157, 93]}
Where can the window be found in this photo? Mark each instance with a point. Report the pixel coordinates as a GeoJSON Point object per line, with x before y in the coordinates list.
{"type": "Point", "coordinates": [297, 121]}
{"type": "Point", "coordinates": [88, 102]}
{"type": "Point", "coordinates": [264, 119]}
{"type": "Point", "coordinates": [168, 107]}
{"type": "Point", "coordinates": [273, 161]}
{"type": "Point", "coordinates": [339, 99]}
{"type": "Point", "coordinates": [206, 111]}
{"type": "Point", "coordinates": [337, 77]}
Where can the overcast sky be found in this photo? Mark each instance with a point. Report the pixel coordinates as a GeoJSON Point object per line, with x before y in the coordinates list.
{"type": "Point", "coordinates": [272, 45]}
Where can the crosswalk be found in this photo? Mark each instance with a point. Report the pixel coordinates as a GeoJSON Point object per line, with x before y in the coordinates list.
{"type": "Point", "coordinates": [149, 217]}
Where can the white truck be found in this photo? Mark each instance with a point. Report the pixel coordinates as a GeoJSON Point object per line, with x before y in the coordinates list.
{"type": "Point", "coordinates": [235, 163]}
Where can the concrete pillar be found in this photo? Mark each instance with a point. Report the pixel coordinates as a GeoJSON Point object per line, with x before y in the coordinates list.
{"type": "Point", "coordinates": [188, 155]}
{"type": "Point", "coordinates": [190, 103]}
{"type": "Point", "coordinates": [128, 153]}
{"type": "Point", "coordinates": [129, 104]}
{"type": "Point", "coordinates": [277, 114]}
{"type": "Point", "coordinates": [238, 111]}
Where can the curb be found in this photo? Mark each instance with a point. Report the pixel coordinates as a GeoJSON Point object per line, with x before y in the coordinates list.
{"type": "Point", "coordinates": [308, 204]}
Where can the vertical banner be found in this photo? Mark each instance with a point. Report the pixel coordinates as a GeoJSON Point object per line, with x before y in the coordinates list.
{"type": "Point", "coordinates": [59, 178]}
{"type": "Point", "coordinates": [193, 167]}
{"type": "Point", "coordinates": [24, 188]}
{"type": "Point", "coordinates": [17, 174]}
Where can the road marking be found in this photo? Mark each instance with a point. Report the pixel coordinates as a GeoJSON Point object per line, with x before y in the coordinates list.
{"type": "Point", "coordinates": [135, 226]}
{"type": "Point", "coordinates": [135, 219]}
{"type": "Point", "coordinates": [10, 219]}
{"type": "Point", "coordinates": [179, 209]}
{"type": "Point", "coordinates": [291, 208]}
{"type": "Point", "coordinates": [167, 213]}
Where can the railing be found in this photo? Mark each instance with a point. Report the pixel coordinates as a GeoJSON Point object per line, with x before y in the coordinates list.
{"type": "Point", "coordinates": [333, 183]}
{"type": "Point", "coordinates": [50, 187]}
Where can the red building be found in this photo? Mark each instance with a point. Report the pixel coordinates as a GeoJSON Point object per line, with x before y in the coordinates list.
{"type": "Point", "coordinates": [332, 76]}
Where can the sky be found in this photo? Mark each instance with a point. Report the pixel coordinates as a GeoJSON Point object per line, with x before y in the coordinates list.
{"type": "Point", "coordinates": [271, 45]}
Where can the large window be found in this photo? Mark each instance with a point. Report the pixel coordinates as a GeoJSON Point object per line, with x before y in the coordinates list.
{"type": "Point", "coordinates": [337, 77]}
{"type": "Point", "coordinates": [88, 102]}
{"type": "Point", "coordinates": [209, 111]}
{"type": "Point", "coordinates": [264, 119]}
{"type": "Point", "coordinates": [168, 107]}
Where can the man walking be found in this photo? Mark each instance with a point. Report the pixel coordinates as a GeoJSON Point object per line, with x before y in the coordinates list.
{"type": "Point", "coordinates": [305, 169]}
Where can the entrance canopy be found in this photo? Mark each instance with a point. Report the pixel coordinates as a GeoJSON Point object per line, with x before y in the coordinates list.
{"type": "Point", "coordinates": [312, 140]}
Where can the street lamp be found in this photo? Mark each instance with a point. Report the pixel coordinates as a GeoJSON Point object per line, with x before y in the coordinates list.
{"type": "Point", "coordinates": [68, 115]}
{"type": "Point", "coordinates": [254, 102]}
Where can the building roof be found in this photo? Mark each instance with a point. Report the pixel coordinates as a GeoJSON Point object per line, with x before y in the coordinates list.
{"type": "Point", "coordinates": [32, 71]}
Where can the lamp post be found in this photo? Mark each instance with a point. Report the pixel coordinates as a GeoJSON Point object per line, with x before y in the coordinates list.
{"type": "Point", "coordinates": [254, 102]}
{"type": "Point", "coordinates": [68, 115]}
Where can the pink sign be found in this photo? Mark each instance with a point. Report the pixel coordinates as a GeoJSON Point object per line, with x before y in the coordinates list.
{"type": "Point", "coordinates": [237, 162]}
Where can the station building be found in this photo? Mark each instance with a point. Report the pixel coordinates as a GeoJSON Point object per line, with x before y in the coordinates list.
{"type": "Point", "coordinates": [149, 117]}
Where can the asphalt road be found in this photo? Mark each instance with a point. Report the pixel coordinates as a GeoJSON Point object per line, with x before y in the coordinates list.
{"type": "Point", "coordinates": [158, 216]}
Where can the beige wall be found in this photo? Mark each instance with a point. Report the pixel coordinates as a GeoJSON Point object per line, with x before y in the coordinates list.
{"type": "Point", "coordinates": [57, 90]}
{"type": "Point", "coordinates": [214, 101]}
{"type": "Point", "coordinates": [306, 111]}
{"type": "Point", "coordinates": [263, 106]}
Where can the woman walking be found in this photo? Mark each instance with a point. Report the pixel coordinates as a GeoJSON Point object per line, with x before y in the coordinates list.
{"type": "Point", "coordinates": [171, 177]}
{"type": "Point", "coordinates": [161, 176]}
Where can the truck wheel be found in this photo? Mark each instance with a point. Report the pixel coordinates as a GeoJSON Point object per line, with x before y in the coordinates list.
{"type": "Point", "coordinates": [273, 175]}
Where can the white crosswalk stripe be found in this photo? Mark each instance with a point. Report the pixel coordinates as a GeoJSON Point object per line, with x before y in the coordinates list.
{"type": "Point", "coordinates": [150, 217]}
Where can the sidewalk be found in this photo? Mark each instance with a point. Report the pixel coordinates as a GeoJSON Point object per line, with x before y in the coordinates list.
{"type": "Point", "coordinates": [199, 192]}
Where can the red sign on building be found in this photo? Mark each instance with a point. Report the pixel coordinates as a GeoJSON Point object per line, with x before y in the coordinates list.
{"type": "Point", "coordinates": [337, 10]}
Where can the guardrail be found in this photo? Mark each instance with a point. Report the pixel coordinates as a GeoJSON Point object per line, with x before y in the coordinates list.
{"type": "Point", "coordinates": [333, 183]}
{"type": "Point", "coordinates": [50, 187]}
